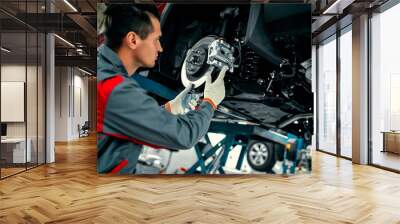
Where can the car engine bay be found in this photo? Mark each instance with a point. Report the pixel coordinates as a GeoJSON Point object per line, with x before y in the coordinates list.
{"type": "Point", "coordinates": [269, 77]}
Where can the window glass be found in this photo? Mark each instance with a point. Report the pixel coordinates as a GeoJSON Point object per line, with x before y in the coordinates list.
{"type": "Point", "coordinates": [346, 94]}
{"type": "Point", "coordinates": [327, 96]}
{"type": "Point", "coordinates": [385, 88]}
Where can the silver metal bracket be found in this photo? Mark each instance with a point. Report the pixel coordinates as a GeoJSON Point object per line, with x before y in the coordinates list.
{"type": "Point", "coordinates": [220, 54]}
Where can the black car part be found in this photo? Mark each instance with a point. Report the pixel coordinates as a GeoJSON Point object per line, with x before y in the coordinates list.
{"type": "Point", "coordinates": [270, 44]}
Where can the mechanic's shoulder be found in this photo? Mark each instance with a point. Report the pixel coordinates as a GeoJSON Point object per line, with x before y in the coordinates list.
{"type": "Point", "coordinates": [128, 92]}
{"type": "Point", "coordinates": [127, 83]}
{"type": "Point", "coordinates": [126, 87]}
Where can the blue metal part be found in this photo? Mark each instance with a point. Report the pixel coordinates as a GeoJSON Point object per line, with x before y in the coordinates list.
{"type": "Point", "coordinates": [217, 163]}
{"type": "Point", "coordinates": [202, 157]}
{"type": "Point", "coordinates": [241, 158]}
{"type": "Point", "coordinates": [231, 130]}
{"type": "Point", "coordinates": [155, 87]}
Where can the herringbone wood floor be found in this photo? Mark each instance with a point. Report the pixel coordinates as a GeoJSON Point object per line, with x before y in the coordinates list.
{"type": "Point", "coordinates": [70, 191]}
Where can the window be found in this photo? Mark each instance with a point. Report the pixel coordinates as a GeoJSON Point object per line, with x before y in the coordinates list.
{"type": "Point", "coordinates": [346, 92]}
{"type": "Point", "coordinates": [385, 85]}
{"type": "Point", "coordinates": [22, 80]}
{"type": "Point", "coordinates": [327, 96]}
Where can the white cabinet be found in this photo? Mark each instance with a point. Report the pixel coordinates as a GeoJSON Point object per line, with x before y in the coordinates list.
{"type": "Point", "coordinates": [18, 149]}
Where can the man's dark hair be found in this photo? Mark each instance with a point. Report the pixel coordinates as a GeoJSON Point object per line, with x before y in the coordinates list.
{"type": "Point", "coordinates": [124, 18]}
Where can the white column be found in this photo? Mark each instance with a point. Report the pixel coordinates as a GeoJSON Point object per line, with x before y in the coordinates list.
{"type": "Point", "coordinates": [62, 103]}
{"type": "Point", "coordinates": [360, 90]}
{"type": "Point", "coordinates": [50, 93]}
{"type": "Point", "coordinates": [314, 90]}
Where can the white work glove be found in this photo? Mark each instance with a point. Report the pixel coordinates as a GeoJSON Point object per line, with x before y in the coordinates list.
{"type": "Point", "coordinates": [214, 93]}
{"type": "Point", "coordinates": [176, 106]}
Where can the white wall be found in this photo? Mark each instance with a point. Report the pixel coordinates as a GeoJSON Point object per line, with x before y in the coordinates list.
{"type": "Point", "coordinates": [71, 94]}
{"type": "Point", "coordinates": [61, 103]}
{"type": "Point", "coordinates": [80, 100]}
{"type": "Point", "coordinates": [13, 72]}
{"type": "Point", "coordinates": [33, 127]}
{"type": "Point", "coordinates": [16, 73]}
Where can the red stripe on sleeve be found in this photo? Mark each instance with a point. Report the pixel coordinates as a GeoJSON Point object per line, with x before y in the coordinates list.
{"type": "Point", "coordinates": [104, 89]}
{"type": "Point", "coordinates": [133, 140]}
{"type": "Point", "coordinates": [119, 167]}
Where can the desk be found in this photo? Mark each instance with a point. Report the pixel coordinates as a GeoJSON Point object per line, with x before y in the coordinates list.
{"type": "Point", "coordinates": [391, 141]}
{"type": "Point", "coordinates": [15, 148]}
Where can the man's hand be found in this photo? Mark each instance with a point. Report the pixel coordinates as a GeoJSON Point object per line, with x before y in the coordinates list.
{"type": "Point", "coordinates": [176, 106]}
{"type": "Point", "coordinates": [214, 93]}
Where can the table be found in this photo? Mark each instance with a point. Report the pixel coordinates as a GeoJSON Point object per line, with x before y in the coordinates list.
{"type": "Point", "coordinates": [391, 141]}
{"type": "Point", "coordinates": [13, 150]}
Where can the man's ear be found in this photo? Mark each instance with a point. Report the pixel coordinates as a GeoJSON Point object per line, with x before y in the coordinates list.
{"type": "Point", "coordinates": [132, 40]}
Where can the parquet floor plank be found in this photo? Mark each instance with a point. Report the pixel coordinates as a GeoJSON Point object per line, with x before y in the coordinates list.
{"type": "Point", "coordinates": [70, 191]}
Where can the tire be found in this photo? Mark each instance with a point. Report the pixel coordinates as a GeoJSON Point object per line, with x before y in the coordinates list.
{"type": "Point", "coordinates": [260, 155]}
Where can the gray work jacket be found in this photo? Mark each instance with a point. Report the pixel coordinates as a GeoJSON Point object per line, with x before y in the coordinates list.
{"type": "Point", "coordinates": [128, 118]}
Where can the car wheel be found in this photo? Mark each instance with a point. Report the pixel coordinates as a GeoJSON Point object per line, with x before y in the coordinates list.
{"type": "Point", "coordinates": [195, 65]}
{"type": "Point", "coordinates": [260, 155]}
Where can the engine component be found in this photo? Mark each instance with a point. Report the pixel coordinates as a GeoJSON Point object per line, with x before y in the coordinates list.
{"type": "Point", "coordinates": [195, 64]}
{"type": "Point", "coordinates": [272, 71]}
{"type": "Point", "coordinates": [220, 54]}
{"type": "Point", "coordinates": [226, 14]}
{"type": "Point", "coordinates": [206, 55]}
{"type": "Point", "coordinates": [286, 69]}
{"type": "Point", "coordinates": [251, 64]}
{"type": "Point", "coordinates": [195, 61]}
